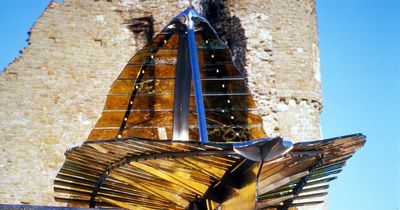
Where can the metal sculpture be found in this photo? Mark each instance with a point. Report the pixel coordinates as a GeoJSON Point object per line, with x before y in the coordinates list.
{"type": "Point", "coordinates": [178, 131]}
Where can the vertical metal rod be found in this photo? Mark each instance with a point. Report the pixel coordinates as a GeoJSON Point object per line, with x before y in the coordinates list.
{"type": "Point", "coordinates": [198, 93]}
{"type": "Point", "coordinates": [182, 91]}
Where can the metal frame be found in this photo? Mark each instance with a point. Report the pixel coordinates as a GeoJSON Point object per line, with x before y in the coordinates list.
{"type": "Point", "coordinates": [194, 63]}
{"type": "Point", "coordinates": [133, 95]}
{"type": "Point", "coordinates": [182, 86]}
{"type": "Point", "coordinates": [235, 177]}
{"type": "Point", "coordinates": [303, 181]}
{"type": "Point", "coordinates": [182, 91]}
{"type": "Point", "coordinates": [128, 159]}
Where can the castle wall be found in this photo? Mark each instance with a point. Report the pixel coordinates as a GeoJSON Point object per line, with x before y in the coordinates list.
{"type": "Point", "coordinates": [52, 95]}
{"type": "Point", "coordinates": [282, 64]}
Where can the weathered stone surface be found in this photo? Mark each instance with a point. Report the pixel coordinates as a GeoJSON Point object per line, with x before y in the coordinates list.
{"type": "Point", "coordinates": [51, 96]}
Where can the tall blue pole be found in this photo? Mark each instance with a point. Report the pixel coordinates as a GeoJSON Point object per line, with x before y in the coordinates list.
{"type": "Point", "coordinates": [198, 92]}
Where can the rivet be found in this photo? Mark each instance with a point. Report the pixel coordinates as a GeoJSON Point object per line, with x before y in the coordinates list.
{"type": "Point", "coordinates": [125, 119]}
{"type": "Point", "coordinates": [130, 102]}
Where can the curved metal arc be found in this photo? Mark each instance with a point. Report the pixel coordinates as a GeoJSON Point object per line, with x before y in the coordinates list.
{"type": "Point", "coordinates": [191, 14]}
{"type": "Point", "coordinates": [303, 181]}
{"type": "Point", "coordinates": [128, 159]}
{"type": "Point", "coordinates": [134, 93]}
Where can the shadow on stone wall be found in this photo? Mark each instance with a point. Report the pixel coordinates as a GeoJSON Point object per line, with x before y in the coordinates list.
{"type": "Point", "coordinates": [229, 29]}
{"type": "Point", "coordinates": [142, 27]}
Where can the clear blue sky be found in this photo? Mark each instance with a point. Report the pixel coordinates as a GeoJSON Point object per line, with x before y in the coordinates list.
{"type": "Point", "coordinates": [360, 62]}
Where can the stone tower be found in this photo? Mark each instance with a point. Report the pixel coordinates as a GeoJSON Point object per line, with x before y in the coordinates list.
{"type": "Point", "coordinates": [51, 96]}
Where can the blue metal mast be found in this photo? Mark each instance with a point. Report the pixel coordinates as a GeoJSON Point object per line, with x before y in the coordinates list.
{"type": "Point", "coordinates": [181, 110]}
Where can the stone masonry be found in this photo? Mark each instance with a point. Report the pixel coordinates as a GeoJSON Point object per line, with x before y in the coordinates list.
{"type": "Point", "coordinates": [52, 94]}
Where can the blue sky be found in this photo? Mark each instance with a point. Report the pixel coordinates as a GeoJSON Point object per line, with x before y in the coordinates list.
{"type": "Point", "coordinates": [360, 64]}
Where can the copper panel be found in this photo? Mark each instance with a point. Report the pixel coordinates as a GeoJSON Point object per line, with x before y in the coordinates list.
{"type": "Point", "coordinates": [153, 71]}
{"type": "Point", "coordinates": [136, 118]}
{"type": "Point", "coordinates": [230, 134]}
{"type": "Point", "coordinates": [117, 102]}
{"type": "Point", "coordinates": [219, 70]}
{"type": "Point", "coordinates": [103, 134]}
{"type": "Point", "coordinates": [153, 102]}
{"type": "Point", "coordinates": [288, 171]}
{"type": "Point", "coordinates": [149, 118]}
{"type": "Point", "coordinates": [214, 56]}
{"type": "Point", "coordinates": [163, 40]}
{"type": "Point", "coordinates": [232, 118]}
{"type": "Point", "coordinates": [227, 70]}
{"type": "Point", "coordinates": [270, 169]}
{"type": "Point", "coordinates": [157, 102]}
{"type": "Point", "coordinates": [224, 87]}
{"type": "Point", "coordinates": [148, 133]}
{"type": "Point", "coordinates": [162, 56]}
{"type": "Point", "coordinates": [235, 101]}
{"type": "Point", "coordinates": [145, 86]}
{"type": "Point", "coordinates": [110, 119]}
